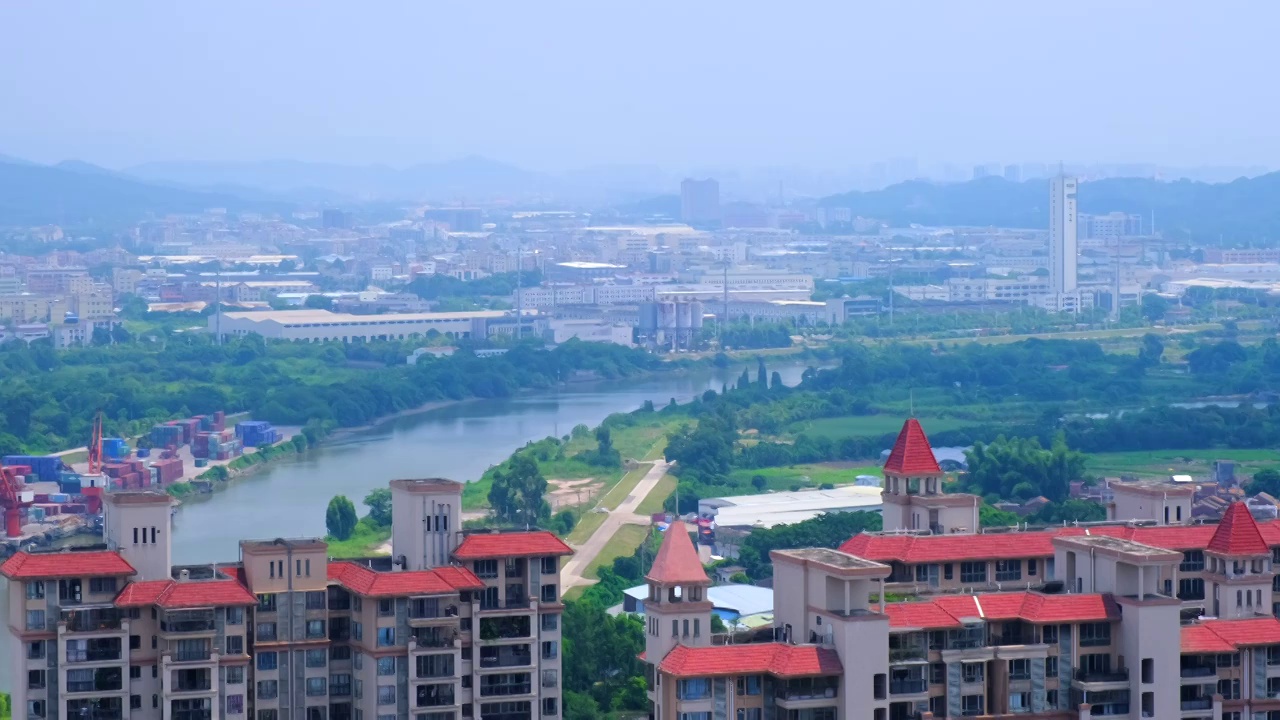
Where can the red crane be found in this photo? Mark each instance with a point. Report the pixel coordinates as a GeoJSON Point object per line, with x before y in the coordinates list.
{"type": "Point", "coordinates": [95, 446]}
{"type": "Point", "coordinates": [12, 498]}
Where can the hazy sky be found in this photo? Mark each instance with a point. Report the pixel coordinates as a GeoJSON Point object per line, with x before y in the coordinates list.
{"type": "Point", "coordinates": [681, 83]}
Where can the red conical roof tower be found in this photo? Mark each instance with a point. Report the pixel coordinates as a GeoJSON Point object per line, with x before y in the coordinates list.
{"type": "Point", "coordinates": [677, 562]}
{"type": "Point", "coordinates": [912, 454]}
{"type": "Point", "coordinates": [1238, 533]}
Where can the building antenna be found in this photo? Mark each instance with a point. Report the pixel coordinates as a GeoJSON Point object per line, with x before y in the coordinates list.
{"type": "Point", "coordinates": [911, 395]}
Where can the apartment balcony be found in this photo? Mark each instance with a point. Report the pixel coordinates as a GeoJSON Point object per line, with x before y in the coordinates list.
{"type": "Point", "coordinates": [1197, 674]}
{"type": "Point", "coordinates": [187, 622]}
{"type": "Point", "coordinates": [505, 689]}
{"type": "Point", "coordinates": [908, 687]}
{"type": "Point", "coordinates": [1119, 676]}
{"type": "Point", "coordinates": [505, 657]}
{"type": "Point", "coordinates": [906, 656]}
{"type": "Point", "coordinates": [95, 655]}
{"type": "Point", "coordinates": [433, 696]}
{"type": "Point", "coordinates": [435, 639]}
{"type": "Point", "coordinates": [502, 629]}
{"type": "Point", "coordinates": [800, 693]}
{"type": "Point", "coordinates": [1200, 703]}
{"type": "Point", "coordinates": [426, 612]}
{"type": "Point", "coordinates": [92, 620]}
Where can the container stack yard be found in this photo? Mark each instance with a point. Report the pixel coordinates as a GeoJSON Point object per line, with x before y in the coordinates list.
{"type": "Point", "coordinates": [55, 500]}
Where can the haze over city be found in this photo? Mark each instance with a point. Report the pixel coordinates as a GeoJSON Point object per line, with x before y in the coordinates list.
{"type": "Point", "coordinates": [565, 85]}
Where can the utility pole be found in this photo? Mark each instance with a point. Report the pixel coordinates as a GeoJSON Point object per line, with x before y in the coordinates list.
{"type": "Point", "coordinates": [217, 323]}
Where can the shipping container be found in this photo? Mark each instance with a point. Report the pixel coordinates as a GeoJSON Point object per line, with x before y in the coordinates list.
{"type": "Point", "coordinates": [144, 452]}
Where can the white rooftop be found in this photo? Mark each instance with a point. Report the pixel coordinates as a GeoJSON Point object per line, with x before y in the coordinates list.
{"type": "Point", "coordinates": [735, 597]}
{"type": "Point", "coordinates": [785, 508]}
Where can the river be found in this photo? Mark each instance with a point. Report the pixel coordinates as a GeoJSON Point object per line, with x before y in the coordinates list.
{"type": "Point", "coordinates": [458, 441]}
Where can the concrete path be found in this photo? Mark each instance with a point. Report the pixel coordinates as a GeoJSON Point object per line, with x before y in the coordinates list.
{"type": "Point", "coordinates": [571, 575]}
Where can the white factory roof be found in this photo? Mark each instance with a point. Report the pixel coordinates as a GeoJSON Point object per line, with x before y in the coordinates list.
{"type": "Point", "coordinates": [736, 597]}
{"type": "Point", "coordinates": [784, 508]}
{"type": "Point", "coordinates": [646, 229]}
{"type": "Point", "coordinates": [584, 265]}
{"type": "Point", "coordinates": [324, 317]}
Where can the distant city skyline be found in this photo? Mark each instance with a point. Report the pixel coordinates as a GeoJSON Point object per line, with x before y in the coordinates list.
{"type": "Point", "coordinates": [576, 84]}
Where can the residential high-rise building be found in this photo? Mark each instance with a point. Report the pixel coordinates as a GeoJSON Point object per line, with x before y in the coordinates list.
{"type": "Point", "coordinates": [1063, 245]}
{"type": "Point", "coordinates": [454, 625]}
{"type": "Point", "coordinates": [700, 201]}
{"type": "Point", "coordinates": [1112, 620]}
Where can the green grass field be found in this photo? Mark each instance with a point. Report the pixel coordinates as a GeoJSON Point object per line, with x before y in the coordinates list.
{"type": "Point", "coordinates": [1179, 462]}
{"type": "Point", "coordinates": [622, 544]}
{"type": "Point", "coordinates": [871, 425]}
{"type": "Point", "coordinates": [652, 503]}
{"type": "Point", "coordinates": [814, 475]}
{"type": "Point", "coordinates": [364, 542]}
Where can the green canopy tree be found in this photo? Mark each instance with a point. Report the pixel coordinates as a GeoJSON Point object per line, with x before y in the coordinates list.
{"type": "Point", "coordinates": [340, 518]}
{"type": "Point", "coordinates": [379, 504]}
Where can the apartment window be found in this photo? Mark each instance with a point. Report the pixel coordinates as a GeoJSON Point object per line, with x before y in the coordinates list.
{"type": "Point", "coordinates": [357, 631]}
{"type": "Point", "coordinates": [551, 621]}
{"type": "Point", "coordinates": [235, 616]}
{"type": "Point", "coordinates": [1051, 666]}
{"type": "Point", "coordinates": [386, 607]}
{"type": "Point", "coordinates": [135, 672]}
{"type": "Point", "coordinates": [135, 642]}
{"type": "Point", "coordinates": [386, 637]}
{"type": "Point", "coordinates": [971, 705]}
{"type": "Point", "coordinates": [947, 573]}
{"type": "Point", "coordinates": [35, 620]}
{"type": "Point", "coordinates": [339, 652]}
{"type": "Point", "coordinates": [1031, 566]}
{"type": "Point", "coordinates": [549, 706]}
{"type": "Point", "coordinates": [749, 685]}
{"type": "Point", "coordinates": [316, 600]}
{"type": "Point", "coordinates": [340, 685]}
{"type": "Point", "coordinates": [550, 565]}
{"type": "Point", "coordinates": [268, 689]}
{"type": "Point", "coordinates": [1229, 689]}
{"type": "Point", "coordinates": [1049, 635]}
{"type": "Point", "coordinates": [1192, 588]}
{"type": "Point", "coordinates": [486, 569]}
{"type": "Point", "coordinates": [265, 631]}
{"type": "Point", "coordinates": [386, 694]}
{"type": "Point", "coordinates": [1148, 670]}
{"type": "Point", "coordinates": [1228, 660]}
{"type": "Point", "coordinates": [35, 591]}
{"type": "Point", "coordinates": [1007, 570]}
{"type": "Point", "coordinates": [386, 666]}
{"type": "Point", "coordinates": [550, 649]}
{"type": "Point", "coordinates": [135, 702]}
{"type": "Point", "coordinates": [973, 572]}
{"type": "Point", "coordinates": [267, 602]}
{"type": "Point", "coordinates": [937, 673]}
{"type": "Point", "coordinates": [317, 658]}
{"type": "Point", "coordinates": [548, 593]}
{"type": "Point", "coordinates": [317, 686]}
{"type": "Point", "coordinates": [235, 644]}
{"type": "Point", "coordinates": [317, 712]}
{"type": "Point", "coordinates": [35, 650]}
{"type": "Point", "coordinates": [35, 679]}
{"type": "Point", "coordinates": [315, 629]}
{"type": "Point", "coordinates": [973, 672]}
{"type": "Point", "coordinates": [235, 704]}
{"type": "Point", "coordinates": [102, 585]}
{"type": "Point", "coordinates": [694, 689]}
{"type": "Point", "coordinates": [1020, 669]}
{"type": "Point", "coordinates": [1095, 634]}
{"type": "Point", "coordinates": [268, 715]}
{"type": "Point", "coordinates": [235, 674]}
{"type": "Point", "coordinates": [1019, 702]}
{"type": "Point", "coordinates": [267, 661]}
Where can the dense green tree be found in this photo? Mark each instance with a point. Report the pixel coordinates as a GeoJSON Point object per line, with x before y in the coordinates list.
{"type": "Point", "coordinates": [1266, 480]}
{"type": "Point", "coordinates": [762, 375]}
{"type": "Point", "coordinates": [340, 518]}
{"type": "Point", "coordinates": [997, 468]}
{"type": "Point", "coordinates": [1151, 351]}
{"type": "Point", "coordinates": [1154, 307]}
{"type": "Point", "coordinates": [516, 495]}
{"type": "Point", "coordinates": [318, 302]}
{"type": "Point", "coordinates": [827, 530]}
{"type": "Point", "coordinates": [379, 503]}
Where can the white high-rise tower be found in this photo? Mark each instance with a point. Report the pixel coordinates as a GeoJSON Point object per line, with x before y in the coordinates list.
{"type": "Point", "coordinates": [1063, 248]}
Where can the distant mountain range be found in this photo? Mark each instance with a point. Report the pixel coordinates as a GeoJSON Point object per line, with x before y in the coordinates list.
{"type": "Point", "coordinates": [77, 194]}
{"type": "Point", "coordinates": [1245, 210]}
{"type": "Point", "coordinates": [455, 179]}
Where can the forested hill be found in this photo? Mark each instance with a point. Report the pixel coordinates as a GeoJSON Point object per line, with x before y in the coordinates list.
{"type": "Point", "coordinates": [79, 195]}
{"type": "Point", "coordinates": [1245, 210]}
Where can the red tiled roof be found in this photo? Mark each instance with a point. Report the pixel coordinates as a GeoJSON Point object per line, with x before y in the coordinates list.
{"type": "Point", "coordinates": [1246, 631]}
{"type": "Point", "coordinates": [677, 561]}
{"type": "Point", "coordinates": [174, 595]}
{"type": "Point", "coordinates": [1238, 533]}
{"type": "Point", "coordinates": [512, 544]}
{"type": "Point", "coordinates": [912, 549]}
{"type": "Point", "coordinates": [69, 564]}
{"type": "Point", "coordinates": [777, 659]}
{"type": "Point", "coordinates": [911, 453]}
{"type": "Point", "coordinates": [371, 583]}
{"type": "Point", "coordinates": [955, 610]}
{"type": "Point", "coordinates": [1200, 639]}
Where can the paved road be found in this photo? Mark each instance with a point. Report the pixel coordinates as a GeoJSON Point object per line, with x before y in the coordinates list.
{"type": "Point", "coordinates": [625, 515]}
